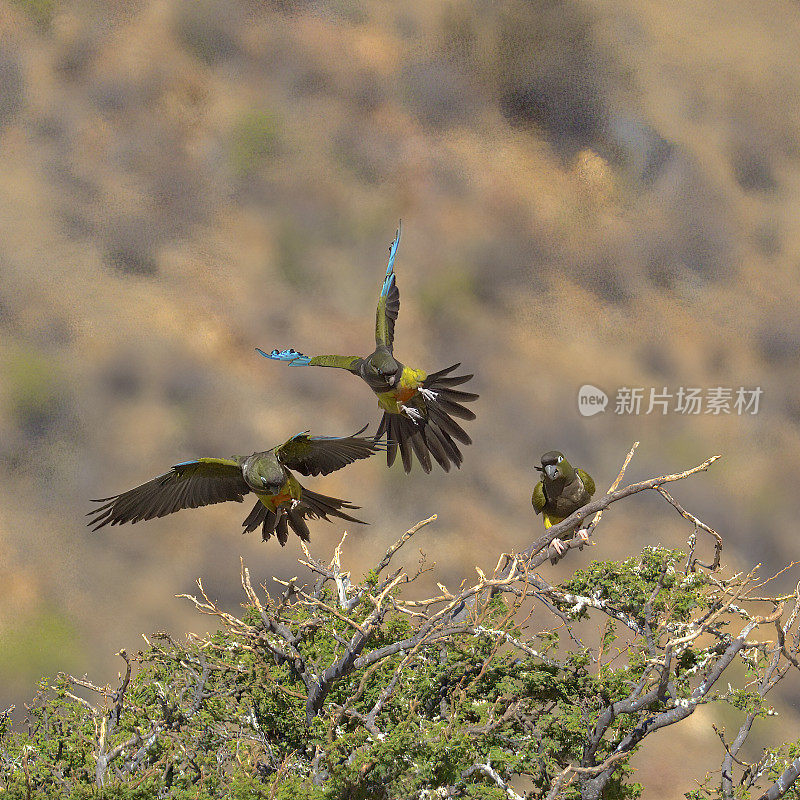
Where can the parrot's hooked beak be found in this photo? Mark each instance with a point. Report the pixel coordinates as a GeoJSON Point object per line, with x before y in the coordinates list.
{"type": "Point", "coordinates": [551, 470]}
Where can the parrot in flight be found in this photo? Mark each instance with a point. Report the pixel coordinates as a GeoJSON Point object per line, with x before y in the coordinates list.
{"type": "Point", "coordinates": [418, 407]}
{"type": "Point", "coordinates": [562, 490]}
{"type": "Point", "coordinates": [282, 502]}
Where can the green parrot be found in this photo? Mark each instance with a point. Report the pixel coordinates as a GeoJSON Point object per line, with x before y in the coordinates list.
{"type": "Point", "coordinates": [562, 490]}
{"type": "Point", "coordinates": [282, 501]}
{"type": "Point", "coordinates": [418, 407]}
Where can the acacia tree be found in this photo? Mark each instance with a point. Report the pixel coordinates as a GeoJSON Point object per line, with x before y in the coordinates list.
{"type": "Point", "coordinates": [338, 689]}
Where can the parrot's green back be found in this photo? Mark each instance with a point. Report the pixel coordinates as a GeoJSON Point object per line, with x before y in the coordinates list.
{"type": "Point", "coordinates": [587, 480]}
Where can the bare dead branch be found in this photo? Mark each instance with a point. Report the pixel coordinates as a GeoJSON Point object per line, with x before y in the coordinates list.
{"type": "Point", "coordinates": [611, 489]}
{"type": "Point", "coordinates": [395, 546]}
{"type": "Point", "coordinates": [714, 565]}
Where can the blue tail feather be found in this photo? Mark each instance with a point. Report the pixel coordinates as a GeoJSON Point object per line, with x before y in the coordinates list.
{"type": "Point", "coordinates": [292, 356]}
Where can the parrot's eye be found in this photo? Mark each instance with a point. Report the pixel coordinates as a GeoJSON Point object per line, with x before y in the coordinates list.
{"type": "Point", "coordinates": [559, 459]}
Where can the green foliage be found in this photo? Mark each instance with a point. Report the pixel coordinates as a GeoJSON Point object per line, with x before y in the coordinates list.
{"type": "Point", "coordinates": [778, 758]}
{"type": "Point", "coordinates": [628, 585]}
{"type": "Point", "coordinates": [773, 762]}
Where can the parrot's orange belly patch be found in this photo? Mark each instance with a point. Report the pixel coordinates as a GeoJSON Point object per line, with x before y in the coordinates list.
{"type": "Point", "coordinates": [281, 498]}
{"type": "Point", "coordinates": [405, 394]}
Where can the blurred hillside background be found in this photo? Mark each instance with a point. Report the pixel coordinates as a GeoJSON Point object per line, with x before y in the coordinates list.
{"type": "Point", "coordinates": [591, 192]}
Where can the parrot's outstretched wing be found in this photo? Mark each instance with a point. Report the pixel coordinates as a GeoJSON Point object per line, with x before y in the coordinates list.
{"type": "Point", "coordinates": [297, 359]}
{"type": "Point", "coordinates": [587, 480]}
{"type": "Point", "coordinates": [319, 455]}
{"type": "Point", "coordinates": [539, 500]}
{"type": "Point", "coordinates": [310, 506]}
{"type": "Point", "coordinates": [388, 302]}
{"type": "Point", "coordinates": [190, 484]}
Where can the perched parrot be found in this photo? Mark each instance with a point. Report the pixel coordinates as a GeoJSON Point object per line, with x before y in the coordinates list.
{"type": "Point", "coordinates": [418, 407]}
{"type": "Point", "coordinates": [281, 500]}
{"type": "Point", "coordinates": [562, 490]}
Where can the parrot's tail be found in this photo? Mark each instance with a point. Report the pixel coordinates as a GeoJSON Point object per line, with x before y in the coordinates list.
{"type": "Point", "coordinates": [311, 505]}
{"type": "Point", "coordinates": [270, 522]}
{"type": "Point", "coordinates": [408, 435]}
{"type": "Point", "coordinates": [430, 429]}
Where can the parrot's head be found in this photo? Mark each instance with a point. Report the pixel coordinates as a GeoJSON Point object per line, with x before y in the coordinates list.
{"type": "Point", "coordinates": [266, 474]}
{"type": "Point", "coordinates": [556, 468]}
{"type": "Point", "coordinates": [381, 369]}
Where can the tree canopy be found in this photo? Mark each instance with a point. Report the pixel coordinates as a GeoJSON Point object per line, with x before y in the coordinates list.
{"type": "Point", "coordinates": [369, 689]}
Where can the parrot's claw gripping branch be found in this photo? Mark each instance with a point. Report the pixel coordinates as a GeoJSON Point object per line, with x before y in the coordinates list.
{"type": "Point", "coordinates": [558, 546]}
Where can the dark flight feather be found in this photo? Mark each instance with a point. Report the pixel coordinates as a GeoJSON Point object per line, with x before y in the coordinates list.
{"type": "Point", "coordinates": [187, 485]}
{"type": "Point", "coordinates": [320, 505]}
{"type": "Point", "coordinates": [436, 447]}
{"type": "Point", "coordinates": [298, 524]}
{"type": "Point", "coordinates": [453, 409]}
{"type": "Point", "coordinates": [421, 449]}
{"type": "Point", "coordinates": [320, 455]}
{"type": "Point", "coordinates": [448, 424]}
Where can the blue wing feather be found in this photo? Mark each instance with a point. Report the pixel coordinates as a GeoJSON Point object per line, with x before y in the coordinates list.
{"type": "Point", "coordinates": [389, 280]}
{"type": "Point", "coordinates": [292, 356]}
{"type": "Point", "coordinates": [316, 438]}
